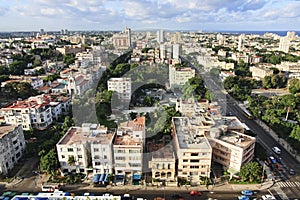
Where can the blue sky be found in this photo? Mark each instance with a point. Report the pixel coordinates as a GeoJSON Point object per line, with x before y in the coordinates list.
{"type": "Point", "coordinates": [207, 15]}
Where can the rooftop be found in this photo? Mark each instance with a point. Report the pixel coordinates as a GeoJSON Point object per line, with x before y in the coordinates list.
{"type": "Point", "coordinates": [235, 138]}
{"type": "Point", "coordinates": [127, 140]}
{"type": "Point", "coordinates": [4, 129]}
{"type": "Point", "coordinates": [81, 135]}
{"type": "Point", "coordinates": [188, 136]}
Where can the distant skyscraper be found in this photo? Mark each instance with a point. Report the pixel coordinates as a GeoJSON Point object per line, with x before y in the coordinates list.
{"type": "Point", "coordinates": [176, 51]}
{"type": "Point", "coordinates": [240, 44]}
{"type": "Point", "coordinates": [128, 33]}
{"type": "Point", "coordinates": [284, 44]}
{"type": "Point", "coordinates": [160, 36]}
{"type": "Point", "coordinates": [177, 38]}
{"type": "Point", "coordinates": [42, 32]}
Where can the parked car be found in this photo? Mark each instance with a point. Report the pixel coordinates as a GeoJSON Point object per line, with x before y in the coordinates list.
{"type": "Point", "coordinates": [279, 167]}
{"type": "Point", "coordinates": [268, 197]}
{"type": "Point", "coordinates": [276, 150]}
{"type": "Point", "coordinates": [292, 171]}
{"type": "Point", "coordinates": [195, 193]}
{"type": "Point", "coordinates": [247, 192]}
{"type": "Point", "coordinates": [243, 197]}
{"type": "Point", "coordinates": [271, 159]}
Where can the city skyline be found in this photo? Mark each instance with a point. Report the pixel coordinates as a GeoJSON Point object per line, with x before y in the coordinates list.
{"type": "Point", "coordinates": [32, 15]}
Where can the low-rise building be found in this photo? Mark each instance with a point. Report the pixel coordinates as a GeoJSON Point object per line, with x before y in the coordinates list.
{"type": "Point", "coordinates": [122, 86]}
{"type": "Point", "coordinates": [260, 72]}
{"type": "Point", "coordinates": [35, 112]}
{"type": "Point", "coordinates": [12, 146]}
{"type": "Point", "coordinates": [178, 76]}
{"type": "Point", "coordinates": [86, 149]}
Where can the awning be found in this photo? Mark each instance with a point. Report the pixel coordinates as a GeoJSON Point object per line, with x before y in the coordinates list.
{"type": "Point", "coordinates": [106, 176]}
{"type": "Point", "coordinates": [136, 177]}
{"type": "Point", "coordinates": [101, 178]}
{"type": "Point", "coordinates": [96, 178]}
{"type": "Point", "coordinates": [120, 176]}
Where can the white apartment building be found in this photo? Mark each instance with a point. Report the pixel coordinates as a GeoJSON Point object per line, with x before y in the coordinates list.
{"type": "Point", "coordinates": [81, 147]}
{"type": "Point", "coordinates": [193, 150]}
{"type": "Point", "coordinates": [128, 150]}
{"type": "Point", "coordinates": [231, 147]}
{"type": "Point", "coordinates": [35, 112]}
{"type": "Point", "coordinates": [179, 76]}
{"type": "Point", "coordinates": [284, 44]}
{"type": "Point", "coordinates": [12, 146]}
{"type": "Point", "coordinates": [260, 72]}
{"type": "Point", "coordinates": [122, 86]}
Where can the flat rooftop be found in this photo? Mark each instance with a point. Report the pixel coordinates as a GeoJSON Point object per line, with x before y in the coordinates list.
{"type": "Point", "coordinates": [127, 140]}
{"type": "Point", "coordinates": [235, 138]}
{"type": "Point", "coordinates": [80, 135]}
{"type": "Point", "coordinates": [164, 152]}
{"type": "Point", "coordinates": [4, 129]}
{"type": "Point", "coordinates": [187, 136]}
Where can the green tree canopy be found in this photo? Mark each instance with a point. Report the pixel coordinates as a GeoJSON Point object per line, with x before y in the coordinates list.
{"type": "Point", "coordinates": [251, 172]}
{"type": "Point", "coordinates": [49, 163]}
{"type": "Point", "coordinates": [294, 86]}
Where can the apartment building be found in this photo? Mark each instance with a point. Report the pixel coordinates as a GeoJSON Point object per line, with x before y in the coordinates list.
{"type": "Point", "coordinates": [163, 164]}
{"type": "Point", "coordinates": [188, 107]}
{"type": "Point", "coordinates": [35, 112]}
{"type": "Point", "coordinates": [231, 147]}
{"type": "Point", "coordinates": [122, 87]}
{"type": "Point", "coordinates": [260, 72]}
{"type": "Point", "coordinates": [12, 146]}
{"type": "Point", "coordinates": [179, 76]}
{"type": "Point", "coordinates": [193, 151]}
{"type": "Point", "coordinates": [86, 149]}
{"type": "Point", "coordinates": [128, 150]}
{"type": "Point", "coordinates": [122, 40]}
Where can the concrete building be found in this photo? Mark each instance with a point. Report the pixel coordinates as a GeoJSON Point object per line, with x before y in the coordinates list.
{"type": "Point", "coordinates": [163, 165]}
{"type": "Point", "coordinates": [122, 40]}
{"type": "Point", "coordinates": [35, 112]}
{"type": "Point", "coordinates": [231, 147]}
{"type": "Point", "coordinates": [284, 44]}
{"type": "Point", "coordinates": [260, 72]}
{"type": "Point", "coordinates": [122, 86]}
{"type": "Point", "coordinates": [86, 146]}
{"type": "Point", "coordinates": [128, 151]}
{"type": "Point", "coordinates": [176, 51]}
{"type": "Point", "coordinates": [160, 36]}
{"type": "Point", "coordinates": [178, 76]}
{"type": "Point", "coordinates": [12, 146]}
{"type": "Point", "coordinates": [193, 150]}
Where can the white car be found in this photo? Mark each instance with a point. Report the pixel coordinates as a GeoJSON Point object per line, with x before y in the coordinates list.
{"type": "Point", "coordinates": [276, 150]}
{"type": "Point", "coordinates": [268, 197]}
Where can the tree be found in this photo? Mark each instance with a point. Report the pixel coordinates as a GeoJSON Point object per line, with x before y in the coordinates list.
{"type": "Point", "coordinates": [49, 163]}
{"type": "Point", "coordinates": [295, 134]}
{"type": "Point", "coordinates": [294, 86]}
{"type": "Point", "coordinates": [251, 172]}
{"type": "Point", "coordinates": [266, 83]}
{"type": "Point", "coordinates": [71, 160]}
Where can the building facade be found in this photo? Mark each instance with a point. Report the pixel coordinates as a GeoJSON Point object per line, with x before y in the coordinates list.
{"type": "Point", "coordinates": [12, 146]}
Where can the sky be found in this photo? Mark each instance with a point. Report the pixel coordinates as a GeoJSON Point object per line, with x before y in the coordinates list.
{"type": "Point", "coordinates": [206, 15]}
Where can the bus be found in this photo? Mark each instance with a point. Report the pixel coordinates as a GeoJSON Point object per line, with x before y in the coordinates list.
{"type": "Point", "coordinates": [246, 112]}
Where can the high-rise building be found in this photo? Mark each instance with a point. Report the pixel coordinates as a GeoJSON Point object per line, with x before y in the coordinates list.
{"type": "Point", "coordinates": [160, 36]}
{"type": "Point", "coordinates": [176, 51]}
{"type": "Point", "coordinates": [42, 31]}
{"type": "Point", "coordinates": [122, 40]}
{"type": "Point", "coordinates": [128, 33]}
{"type": "Point", "coordinates": [284, 44]}
{"type": "Point", "coordinates": [240, 43]}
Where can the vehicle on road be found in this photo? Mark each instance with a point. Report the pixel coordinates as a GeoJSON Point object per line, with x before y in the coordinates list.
{"type": "Point", "coordinates": [279, 167]}
{"type": "Point", "coordinates": [271, 160]}
{"type": "Point", "coordinates": [243, 197]}
{"type": "Point", "coordinates": [276, 150]}
{"type": "Point", "coordinates": [247, 192]}
{"type": "Point", "coordinates": [292, 171]}
{"type": "Point", "coordinates": [195, 193]}
{"type": "Point", "coordinates": [268, 197]}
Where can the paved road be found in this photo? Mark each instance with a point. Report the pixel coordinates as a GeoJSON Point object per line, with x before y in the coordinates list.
{"type": "Point", "coordinates": [267, 141]}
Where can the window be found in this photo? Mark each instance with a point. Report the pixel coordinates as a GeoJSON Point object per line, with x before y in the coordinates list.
{"type": "Point", "coordinates": [70, 149]}
{"type": "Point", "coordinates": [79, 156]}
{"type": "Point", "coordinates": [63, 156]}
{"type": "Point", "coordinates": [120, 158]}
{"type": "Point", "coordinates": [96, 149]}
{"type": "Point", "coordinates": [96, 157]}
{"type": "Point", "coordinates": [194, 161]}
{"type": "Point", "coordinates": [97, 163]}
{"type": "Point", "coordinates": [105, 156]}
{"type": "Point", "coordinates": [194, 167]}
{"type": "Point", "coordinates": [78, 149]}
{"type": "Point", "coordinates": [194, 154]}
{"type": "Point", "coordinates": [185, 160]}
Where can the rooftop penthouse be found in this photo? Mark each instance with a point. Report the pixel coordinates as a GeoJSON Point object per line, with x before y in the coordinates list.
{"type": "Point", "coordinates": [127, 140]}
